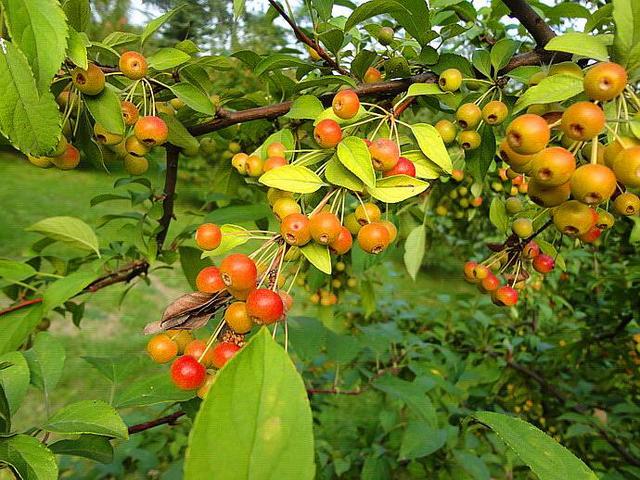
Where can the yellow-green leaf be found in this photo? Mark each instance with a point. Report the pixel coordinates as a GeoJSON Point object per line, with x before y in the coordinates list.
{"type": "Point", "coordinates": [397, 188]}
{"type": "Point", "coordinates": [431, 144]}
{"type": "Point", "coordinates": [318, 256]}
{"type": "Point", "coordinates": [337, 174]}
{"type": "Point", "coordinates": [232, 236]}
{"type": "Point", "coordinates": [354, 155]}
{"type": "Point", "coordinates": [292, 178]}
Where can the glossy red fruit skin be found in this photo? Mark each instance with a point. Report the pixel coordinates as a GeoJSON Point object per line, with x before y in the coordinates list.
{"type": "Point", "coordinates": [505, 296]}
{"type": "Point", "coordinates": [403, 167]}
{"type": "Point", "coordinates": [151, 130]}
{"type": "Point", "coordinates": [327, 133]}
{"type": "Point", "coordinates": [239, 271]}
{"type": "Point", "coordinates": [591, 236]}
{"type": "Point", "coordinates": [489, 283]}
{"type": "Point", "coordinates": [196, 348]}
{"type": "Point", "coordinates": [187, 373]}
{"type": "Point", "coordinates": [343, 243]}
{"type": "Point", "coordinates": [209, 280]}
{"type": "Point", "coordinates": [264, 306]}
{"type": "Point", "coordinates": [385, 154]}
{"type": "Point", "coordinates": [223, 352]}
{"type": "Point", "coordinates": [543, 263]}
{"type": "Point", "coordinates": [208, 236]}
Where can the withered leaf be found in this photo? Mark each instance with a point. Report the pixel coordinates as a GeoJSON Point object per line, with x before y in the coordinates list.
{"type": "Point", "coordinates": [186, 304]}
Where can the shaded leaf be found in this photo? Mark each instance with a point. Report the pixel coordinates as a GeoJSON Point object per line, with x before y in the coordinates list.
{"type": "Point", "coordinates": [88, 416]}
{"type": "Point", "coordinates": [28, 457]}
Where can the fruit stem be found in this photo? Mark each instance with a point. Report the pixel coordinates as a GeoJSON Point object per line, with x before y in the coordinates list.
{"type": "Point", "coordinates": [594, 150]}
{"type": "Point", "coordinates": [212, 339]}
{"type": "Point", "coordinates": [323, 202]}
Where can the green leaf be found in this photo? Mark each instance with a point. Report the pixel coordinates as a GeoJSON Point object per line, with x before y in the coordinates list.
{"type": "Point", "coordinates": [278, 61]}
{"type": "Point", "coordinates": [30, 121]}
{"type": "Point", "coordinates": [93, 447]}
{"type": "Point", "coordinates": [77, 50]}
{"type": "Point", "coordinates": [30, 459]}
{"type": "Point", "coordinates": [116, 368]}
{"type": "Point", "coordinates": [498, 215]}
{"type": "Point", "coordinates": [581, 44]}
{"type": "Point", "coordinates": [318, 256]}
{"type": "Point", "coordinates": [420, 440]}
{"type": "Point", "coordinates": [332, 39]}
{"type": "Point", "coordinates": [337, 174]}
{"type": "Point", "coordinates": [275, 441]}
{"type": "Point", "coordinates": [5, 412]}
{"type": "Point", "coordinates": [167, 58]}
{"type": "Point", "coordinates": [292, 178]}
{"type": "Point", "coordinates": [425, 168]}
{"type": "Point", "coordinates": [46, 361]}
{"type": "Point", "coordinates": [397, 188]}
{"type": "Point", "coordinates": [431, 144]}
{"type": "Point", "coordinates": [479, 160]}
{"type": "Point", "coordinates": [324, 8]}
{"type": "Point", "coordinates": [156, 23]}
{"type": "Point", "coordinates": [192, 263]}
{"type": "Point", "coordinates": [416, 89]}
{"type": "Point", "coordinates": [69, 230]}
{"type": "Point", "coordinates": [232, 236]}
{"type": "Point", "coordinates": [88, 416]}
{"type": "Point", "coordinates": [626, 41]}
{"type": "Point", "coordinates": [412, 394]}
{"type": "Point", "coordinates": [153, 390]}
{"type": "Point", "coordinates": [193, 97]}
{"type": "Point", "coordinates": [354, 155]}
{"type": "Point", "coordinates": [16, 326]}
{"type": "Point", "coordinates": [116, 39]}
{"type": "Point", "coordinates": [14, 379]}
{"type": "Point", "coordinates": [65, 288]}
{"type": "Point", "coordinates": [178, 133]}
{"type": "Point", "coordinates": [362, 61]}
{"type": "Point", "coordinates": [39, 29]}
{"type": "Point", "coordinates": [555, 88]}
{"type": "Point", "coordinates": [78, 14]}
{"type": "Point", "coordinates": [13, 271]}
{"type": "Point", "coordinates": [547, 458]}
{"type": "Point", "coordinates": [414, 249]}
{"type": "Point", "coordinates": [481, 60]}
{"type": "Point", "coordinates": [238, 8]}
{"type": "Point", "coordinates": [472, 464]}
{"type": "Point", "coordinates": [106, 109]}
{"type": "Point", "coordinates": [502, 52]}
{"type": "Point", "coordinates": [305, 107]}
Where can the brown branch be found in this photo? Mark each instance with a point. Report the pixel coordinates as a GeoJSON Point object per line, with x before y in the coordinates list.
{"type": "Point", "coordinates": [226, 118]}
{"type": "Point", "coordinates": [304, 38]}
{"type": "Point", "coordinates": [626, 320]}
{"type": "Point", "coordinates": [531, 21]}
{"type": "Point", "coordinates": [166, 420]}
{"type": "Point", "coordinates": [124, 274]}
{"type": "Point", "coordinates": [171, 177]}
{"type": "Point", "coordinates": [576, 407]}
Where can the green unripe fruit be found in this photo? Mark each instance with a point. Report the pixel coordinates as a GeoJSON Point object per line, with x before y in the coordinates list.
{"type": "Point", "coordinates": [522, 227]}
{"type": "Point", "coordinates": [450, 80]}
{"type": "Point", "coordinates": [385, 35]}
{"type": "Point", "coordinates": [513, 205]}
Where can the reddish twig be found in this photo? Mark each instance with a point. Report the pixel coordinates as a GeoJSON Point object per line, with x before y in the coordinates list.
{"type": "Point", "coordinates": [166, 420]}
{"type": "Point", "coordinates": [20, 305]}
{"type": "Point", "coordinates": [304, 38]}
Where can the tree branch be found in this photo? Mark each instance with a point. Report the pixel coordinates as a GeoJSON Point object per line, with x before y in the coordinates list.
{"type": "Point", "coordinates": [531, 21]}
{"type": "Point", "coordinates": [171, 177]}
{"type": "Point", "coordinates": [576, 407]}
{"type": "Point", "coordinates": [124, 274]}
{"type": "Point", "coordinates": [166, 420]}
{"type": "Point", "coordinates": [624, 321]}
{"type": "Point", "coordinates": [304, 38]}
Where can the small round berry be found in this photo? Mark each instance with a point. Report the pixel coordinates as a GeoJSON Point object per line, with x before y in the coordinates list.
{"type": "Point", "coordinates": [187, 373]}
{"type": "Point", "coordinates": [384, 154]}
{"type": "Point", "coordinates": [346, 104]}
{"type": "Point", "coordinates": [367, 213]}
{"type": "Point", "coordinates": [237, 317]}
{"type": "Point", "coordinates": [582, 121]}
{"type": "Point", "coordinates": [208, 236]}
{"type": "Point", "coordinates": [264, 306]}
{"type": "Point", "coordinates": [450, 80]}
{"type": "Point", "coordinates": [223, 352]}
{"type": "Point", "coordinates": [374, 238]}
{"type": "Point", "coordinates": [296, 229]}
{"type": "Point", "coordinates": [197, 348]}
{"type": "Point", "coordinates": [162, 349]}
{"type": "Point", "coordinates": [151, 130]}
{"type": "Point", "coordinates": [342, 244]}
{"type": "Point", "coordinates": [327, 133]}
{"type": "Point", "coordinates": [605, 81]}
{"type": "Point", "coordinates": [627, 204]}
{"type": "Point", "coordinates": [468, 116]}
{"type": "Point", "coordinates": [209, 280]}
{"type": "Point", "coordinates": [528, 134]}
{"type": "Point", "coordinates": [543, 263]}
{"type": "Point", "coordinates": [495, 112]}
{"type": "Point", "coordinates": [239, 272]}
{"type": "Point", "coordinates": [324, 227]}
{"type": "Point", "coordinates": [133, 65]}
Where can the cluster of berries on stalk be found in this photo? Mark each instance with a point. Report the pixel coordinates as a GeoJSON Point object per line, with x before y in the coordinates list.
{"type": "Point", "coordinates": [145, 129]}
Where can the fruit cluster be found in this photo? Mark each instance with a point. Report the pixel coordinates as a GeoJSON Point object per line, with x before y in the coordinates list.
{"type": "Point", "coordinates": [572, 179]}
{"type": "Point", "coordinates": [459, 199]}
{"type": "Point", "coordinates": [143, 128]}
